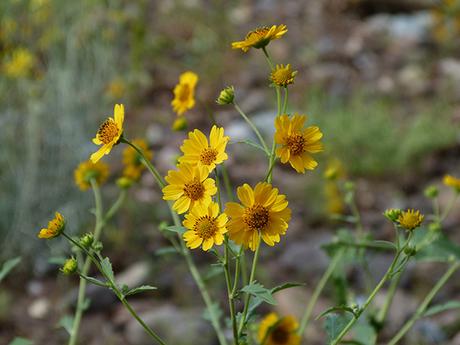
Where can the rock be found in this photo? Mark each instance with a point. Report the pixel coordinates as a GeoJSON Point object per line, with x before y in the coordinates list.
{"type": "Point", "coordinates": [134, 275]}
{"type": "Point", "coordinates": [185, 327]}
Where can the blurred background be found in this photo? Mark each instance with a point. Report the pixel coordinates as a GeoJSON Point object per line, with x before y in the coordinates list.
{"type": "Point", "coordinates": [380, 77]}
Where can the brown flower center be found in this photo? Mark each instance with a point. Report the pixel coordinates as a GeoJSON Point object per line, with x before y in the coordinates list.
{"type": "Point", "coordinates": [208, 156]}
{"type": "Point", "coordinates": [296, 144]}
{"type": "Point", "coordinates": [205, 227]}
{"type": "Point", "coordinates": [184, 93]}
{"type": "Point", "coordinates": [280, 336]}
{"type": "Point", "coordinates": [108, 131]}
{"type": "Point", "coordinates": [194, 190]}
{"type": "Point", "coordinates": [256, 217]}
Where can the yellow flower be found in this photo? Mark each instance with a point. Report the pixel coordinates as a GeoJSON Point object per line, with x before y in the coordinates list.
{"type": "Point", "coordinates": [452, 181]}
{"type": "Point", "coordinates": [206, 226]}
{"type": "Point", "coordinates": [334, 170]}
{"type": "Point", "coordinates": [88, 170]}
{"type": "Point", "coordinates": [263, 210]}
{"type": "Point", "coordinates": [334, 202]}
{"type": "Point", "coordinates": [20, 63]}
{"type": "Point", "coordinates": [274, 330]}
{"type": "Point", "coordinates": [109, 133]}
{"type": "Point", "coordinates": [184, 93]}
{"type": "Point", "coordinates": [260, 37]}
{"type": "Point", "coordinates": [297, 142]}
{"type": "Point", "coordinates": [198, 151]}
{"type": "Point", "coordinates": [189, 186]}
{"type": "Point", "coordinates": [283, 75]}
{"type": "Point", "coordinates": [132, 160]}
{"type": "Point", "coordinates": [410, 219]}
{"type": "Point", "coordinates": [55, 227]}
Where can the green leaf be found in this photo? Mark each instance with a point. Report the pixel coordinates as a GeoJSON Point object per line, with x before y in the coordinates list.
{"type": "Point", "coordinates": [175, 228]}
{"type": "Point", "coordinates": [8, 266]}
{"type": "Point", "coordinates": [364, 333]}
{"type": "Point", "coordinates": [442, 307]}
{"type": "Point", "coordinates": [93, 280]}
{"type": "Point", "coordinates": [21, 341]}
{"type": "Point", "coordinates": [258, 290]}
{"type": "Point", "coordinates": [335, 310]}
{"type": "Point", "coordinates": [250, 143]}
{"type": "Point", "coordinates": [334, 324]}
{"type": "Point", "coordinates": [285, 286]}
{"type": "Point", "coordinates": [440, 250]}
{"type": "Point", "coordinates": [66, 322]}
{"type": "Point", "coordinates": [138, 289]}
{"type": "Point", "coordinates": [106, 266]}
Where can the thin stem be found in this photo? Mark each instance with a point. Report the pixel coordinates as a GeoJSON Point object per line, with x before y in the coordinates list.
{"type": "Point", "coordinates": [251, 280]}
{"type": "Point", "coordinates": [146, 162]}
{"type": "Point", "coordinates": [86, 266]}
{"type": "Point", "coordinates": [228, 282]}
{"type": "Point", "coordinates": [254, 128]}
{"type": "Point", "coordinates": [387, 275]}
{"type": "Point", "coordinates": [319, 288]}
{"type": "Point", "coordinates": [389, 298]}
{"type": "Point", "coordinates": [285, 102]}
{"type": "Point", "coordinates": [268, 58]}
{"type": "Point", "coordinates": [422, 307]}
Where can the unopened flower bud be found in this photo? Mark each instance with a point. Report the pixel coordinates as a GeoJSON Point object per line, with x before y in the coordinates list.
{"type": "Point", "coordinates": [226, 96]}
{"type": "Point", "coordinates": [180, 124]}
{"type": "Point", "coordinates": [70, 266]}
{"type": "Point", "coordinates": [87, 240]}
{"type": "Point", "coordinates": [97, 246]}
{"type": "Point", "coordinates": [392, 214]}
{"type": "Point", "coordinates": [125, 182]}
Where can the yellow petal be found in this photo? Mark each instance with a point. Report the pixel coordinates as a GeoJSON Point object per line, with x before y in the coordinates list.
{"type": "Point", "coordinates": [119, 115]}
{"type": "Point", "coordinates": [246, 195]}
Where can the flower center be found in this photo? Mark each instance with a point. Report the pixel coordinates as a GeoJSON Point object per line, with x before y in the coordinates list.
{"type": "Point", "coordinates": [256, 217]}
{"type": "Point", "coordinates": [205, 227]}
{"type": "Point", "coordinates": [296, 144]}
{"type": "Point", "coordinates": [194, 190]}
{"type": "Point", "coordinates": [108, 131]}
{"type": "Point", "coordinates": [282, 76]}
{"type": "Point", "coordinates": [184, 92]}
{"type": "Point", "coordinates": [208, 156]}
{"type": "Point", "coordinates": [280, 336]}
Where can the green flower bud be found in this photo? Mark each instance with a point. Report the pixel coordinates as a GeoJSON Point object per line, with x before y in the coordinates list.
{"type": "Point", "coordinates": [434, 227]}
{"type": "Point", "coordinates": [349, 186]}
{"type": "Point", "coordinates": [97, 246]}
{"type": "Point", "coordinates": [431, 192]}
{"type": "Point", "coordinates": [226, 96]}
{"type": "Point", "coordinates": [70, 266]}
{"type": "Point", "coordinates": [87, 240]}
{"type": "Point", "coordinates": [392, 214]}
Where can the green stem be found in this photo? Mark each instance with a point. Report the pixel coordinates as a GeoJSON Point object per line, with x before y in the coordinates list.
{"type": "Point", "coordinates": [285, 102]}
{"type": "Point", "coordinates": [319, 288]}
{"type": "Point", "coordinates": [251, 280]}
{"type": "Point", "coordinates": [254, 128]}
{"type": "Point", "coordinates": [228, 282]}
{"type": "Point", "coordinates": [422, 308]}
{"type": "Point", "coordinates": [389, 299]}
{"type": "Point", "coordinates": [185, 252]}
{"type": "Point", "coordinates": [387, 276]}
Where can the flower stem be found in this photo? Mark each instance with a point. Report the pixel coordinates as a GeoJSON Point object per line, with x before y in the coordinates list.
{"type": "Point", "coordinates": [388, 274]}
{"type": "Point", "coordinates": [285, 102]}
{"type": "Point", "coordinates": [251, 280]}
{"type": "Point", "coordinates": [422, 307]}
{"type": "Point", "coordinates": [319, 288]}
{"type": "Point", "coordinates": [254, 128]}
{"type": "Point", "coordinates": [228, 282]}
{"type": "Point", "coordinates": [389, 299]}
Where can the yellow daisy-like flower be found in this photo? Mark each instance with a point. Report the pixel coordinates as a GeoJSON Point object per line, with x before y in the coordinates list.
{"type": "Point", "coordinates": [410, 219]}
{"type": "Point", "coordinates": [201, 152]}
{"type": "Point", "coordinates": [283, 75]}
{"type": "Point", "coordinates": [296, 142]}
{"type": "Point", "coordinates": [263, 210]}
{"type": "Point", "coordinates": [109, 133]}
{"type": "Point", "coordinates": [132, 160]}
{"type": "Point", "coordinates": [189, 186]}
{"type": "Point", "coordinates": [88, 170]}
{"type": "Point", "coordinates": [274, 330]}
{"type": "Point", "coordinates": [184, 93]}
{"type": "Point", "coordinates": [452, 181]}
{"type": "Point", "coordinates": [55, 227]}
{"type": "Point", "coordinates": [260, 37]}
{"type": "Point", "coordinates": [206, 226]}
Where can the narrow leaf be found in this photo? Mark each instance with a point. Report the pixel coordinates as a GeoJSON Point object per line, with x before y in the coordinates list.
{"type": "Point", "coordinates": [139, 289]}
{"type": "Point", "coordinates": [442, 307]}
{"type": "Point", "coordinates": [106, 266]}
{"type": "Point", "coordinates": [93, 280]}
{"type": "Point", "coordinates": [177, 229]}
{"type": "Point", "coordinates": [259, 291]}
{"type": "Point", "coordinates": [8, 266]}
